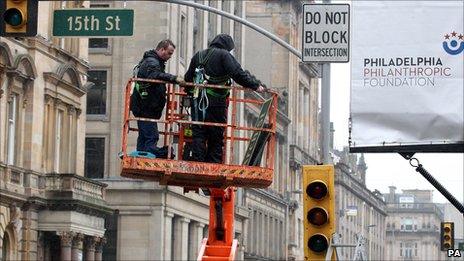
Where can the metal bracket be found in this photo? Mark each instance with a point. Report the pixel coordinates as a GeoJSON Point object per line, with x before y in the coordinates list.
{"type": "Point", "coordinates": [407, 155]}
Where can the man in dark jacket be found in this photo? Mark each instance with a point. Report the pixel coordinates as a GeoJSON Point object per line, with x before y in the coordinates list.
{"type": "Point", "coordinates": [219, 66]}
{"type": "Point", "coordinates": [148, 99]}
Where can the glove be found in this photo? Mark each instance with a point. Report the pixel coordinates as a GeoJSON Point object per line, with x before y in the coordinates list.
{"type": "Point", "coordinates": [261, 89]}
{"type": "Point", "coordinates": [180, 80]}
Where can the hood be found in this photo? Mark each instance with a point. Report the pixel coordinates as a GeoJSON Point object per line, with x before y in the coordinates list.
{"type": "Point", "coordinates": [151, 53]}
{"type": "Point", "coordinates": [223, 41]}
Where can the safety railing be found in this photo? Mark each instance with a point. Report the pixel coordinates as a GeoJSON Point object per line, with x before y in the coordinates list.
{"type": "Point", "coordinates": [177, 119]}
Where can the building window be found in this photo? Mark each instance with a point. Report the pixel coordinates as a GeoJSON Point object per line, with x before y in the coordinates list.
{"type": "Point", "coordinates": [225, 22]}
{"type": "Point", "coordinates": [6, 246]}
{"type": "Point", "coordinates": [98, 44]}
{"type": "Point", "coordinates": [96, 96]}
{"type": "Point", "coordinates": [58, 140]}
{"type": "Point", "coordinates": [12, 124]}
{"type": "Point", "coordinates": [183, 37]}
{"type": "Point", "coordinates": [212, 21]}
{"type": "Point", "coordinates": [238, 31]}
{"type": "Point", "coordinates": [197, 29]}
{"type": "Point", "coordinates": [94, 157]}
{"type": "Point", "coordinates": [408, 224]}
{"type": "Point", "coordinates": [408, 250]}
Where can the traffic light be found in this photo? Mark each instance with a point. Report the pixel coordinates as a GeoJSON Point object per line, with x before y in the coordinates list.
{"type": "Point", "coordinates": [19, 18]}
{"type": "Point", "coordinates": [319, 216]}
{"type": "Point", "coordinates": [447, 236]}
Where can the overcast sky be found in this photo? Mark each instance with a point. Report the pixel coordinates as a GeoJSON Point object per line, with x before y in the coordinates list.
{"type": "Point", "coordinates": [387, 169]}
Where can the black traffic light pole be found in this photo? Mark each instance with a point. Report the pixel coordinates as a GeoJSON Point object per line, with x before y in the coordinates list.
{"type": "Point", "coordinates": [433, 181]}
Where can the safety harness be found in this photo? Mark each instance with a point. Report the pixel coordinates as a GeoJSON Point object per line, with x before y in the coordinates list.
{"type": "Point", "coordinates": [200, 100]}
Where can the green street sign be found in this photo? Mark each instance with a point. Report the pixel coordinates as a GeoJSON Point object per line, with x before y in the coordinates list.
{"type": "Point", "coordinates": [86, 22]}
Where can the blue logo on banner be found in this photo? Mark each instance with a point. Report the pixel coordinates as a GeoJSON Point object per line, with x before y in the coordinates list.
{"type": "Point", "coordinates": [453, 44]}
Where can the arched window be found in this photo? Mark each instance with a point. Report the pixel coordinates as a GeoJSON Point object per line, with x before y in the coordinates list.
{"type": "Point", "coordinates": [6, 247]}
{"type": "Point", "coordinates": [5, 62]}
{"type": "Point", "coordinates": [18, 95]}
{"type": "Point", "coordinates": [61, 118]}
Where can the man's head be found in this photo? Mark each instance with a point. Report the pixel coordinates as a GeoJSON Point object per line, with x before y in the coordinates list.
{"type": "Point", "coordinates": [165, 49]}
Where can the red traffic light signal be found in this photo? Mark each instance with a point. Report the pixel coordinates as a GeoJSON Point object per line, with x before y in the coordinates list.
{"type": "Point", "coordinates": [319, 200]}
{"type": "Point", "coordinates": [18, 18]}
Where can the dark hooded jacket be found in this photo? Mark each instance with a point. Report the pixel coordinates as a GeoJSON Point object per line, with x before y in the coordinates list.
{"type": "Point", "coordinates": [151, 67]}
{"type": "Point", "coordinates": [221, 63]}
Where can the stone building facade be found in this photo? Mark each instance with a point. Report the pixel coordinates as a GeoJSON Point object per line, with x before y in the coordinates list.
{"type": "Point", "coordinates": [48, 209]}
{"type": "Point", "coordinates": [359, 211]}
{"type": "Point", "coordinates": [160, 222]}
{"type": "Point", "coordinates": [413, 226]}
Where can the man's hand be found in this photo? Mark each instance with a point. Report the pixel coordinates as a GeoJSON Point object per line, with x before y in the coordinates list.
{"type": "Point", "coordinates": [261, 89]}
{"type": "Point", "coordinates": [180, 80]}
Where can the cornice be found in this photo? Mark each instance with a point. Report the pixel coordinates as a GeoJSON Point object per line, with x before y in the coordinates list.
{"type": "Point", "coordinates": [54, 79]}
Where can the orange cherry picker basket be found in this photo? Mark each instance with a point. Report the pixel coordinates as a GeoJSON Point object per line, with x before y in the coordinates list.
{"type": "Point", "coordinates": [254, 171]}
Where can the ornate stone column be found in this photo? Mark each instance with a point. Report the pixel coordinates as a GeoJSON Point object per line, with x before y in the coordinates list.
{"type": "Point", "coordinates": [40, 245]}
{"type": "Point", "coordinates": [77, 246]}
{"type": "Point", "coordinates": [196, 233]}
{"type": "Point", "coordinates": [168, 216]}
{"type": "Point", "coordinates": [99, 248]}
{"type": "Point", "coordinates": [181, 238]}
{"type": "Point", "coordinates": [90, 244]}
{"type": "Point", "coordinates": [66, 241]}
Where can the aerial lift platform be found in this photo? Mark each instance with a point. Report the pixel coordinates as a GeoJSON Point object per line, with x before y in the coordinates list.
{"type": "Point", "coordinates": [256, 170]}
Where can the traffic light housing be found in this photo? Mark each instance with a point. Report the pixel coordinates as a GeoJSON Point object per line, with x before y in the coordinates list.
{"type": "Point", "coordinates": [18, 18]}
{"type": "Point", "coordinates": [447, 236]}
{"type": "Point", "coordinates": [318, 207]}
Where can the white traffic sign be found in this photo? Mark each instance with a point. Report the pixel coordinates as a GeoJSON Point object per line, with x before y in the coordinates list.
{"type": "Point", "coordinates": [326, 33]}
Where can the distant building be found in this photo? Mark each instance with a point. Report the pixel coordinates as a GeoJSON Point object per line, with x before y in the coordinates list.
{"type": "Point", "coordinates": [359, 210]}
{"type": "Point", "coordinates": [413, 226]}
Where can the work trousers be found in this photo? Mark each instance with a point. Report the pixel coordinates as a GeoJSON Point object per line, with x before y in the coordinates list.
{"type": "Point", "coordinates": [148, 136]}
{"type": "Point", "coordinates": [208, 141]}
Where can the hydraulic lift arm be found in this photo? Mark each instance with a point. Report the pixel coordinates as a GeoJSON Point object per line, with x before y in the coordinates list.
{"type": "Point", "coordinates": [220, 244]}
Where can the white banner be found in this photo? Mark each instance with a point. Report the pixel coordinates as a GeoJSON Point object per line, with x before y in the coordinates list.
{"type": "Point", "coordinates": [407, 73]}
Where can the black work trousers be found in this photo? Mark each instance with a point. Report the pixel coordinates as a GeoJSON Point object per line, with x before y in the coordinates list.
{"type": "Point", "coordinates": [208, 141]}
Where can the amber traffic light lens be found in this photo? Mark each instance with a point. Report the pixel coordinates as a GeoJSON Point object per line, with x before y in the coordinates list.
{"type": "Point", "coordinates": [317, 190]}
{"type": "Point", "coordinates": [318, 243]}
{"type": "Point", "coordinates": [14, 17]}
{"type": "Point", "coordinates": [446, 237]}
{"type": "Point", "coordinates": [318, 216]}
